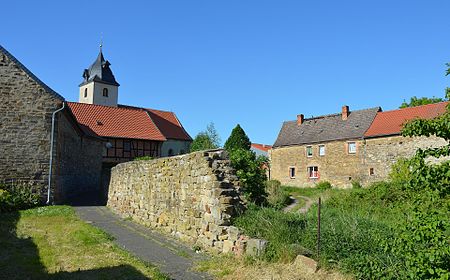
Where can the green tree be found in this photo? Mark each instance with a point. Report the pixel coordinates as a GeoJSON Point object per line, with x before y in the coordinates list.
{"type": "Point", "coordinates": [252, 176]}
{"type": "Point", "coordinates": [237, 140]}
{"type": "Point", "coordinates": [249, 168]}
{"type": "Point", "coordinates": [206, 140]}
{"type": "Point", "coordinates": [416, 101]}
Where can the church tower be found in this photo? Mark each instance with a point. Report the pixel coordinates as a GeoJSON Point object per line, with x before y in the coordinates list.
{"type": "Point", "coordinates": [99, 85]}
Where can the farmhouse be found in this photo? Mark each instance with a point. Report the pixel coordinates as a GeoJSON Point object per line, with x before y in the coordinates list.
{"type": "Point", "coordinates": [351, 146]}
{"type": "Point", "coordinates": [66, 149]}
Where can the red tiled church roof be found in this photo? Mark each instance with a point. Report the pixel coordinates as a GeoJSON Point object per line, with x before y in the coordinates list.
{"type": "Point", "coordinates": [168, 124]}
{"type": "Point", "coordinates": [391, 122]}
{"type": "Point", "coordinates": [127, 122]}
{"type": "Point", "coordinates": [261, 147]}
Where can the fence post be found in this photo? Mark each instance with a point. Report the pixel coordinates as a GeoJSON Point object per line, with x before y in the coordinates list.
{"type": "Point", "coordinates": [318, 229]}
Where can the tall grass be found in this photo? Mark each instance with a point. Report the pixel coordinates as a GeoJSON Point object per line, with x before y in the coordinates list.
{"type": "Point", "coordinates": [361, 231]}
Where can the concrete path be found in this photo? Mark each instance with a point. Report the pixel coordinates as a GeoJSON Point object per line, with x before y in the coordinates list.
{"type": "Point", "coordinates": [304, 209]}
{"type": "Point", "coordinates": [171, 257]}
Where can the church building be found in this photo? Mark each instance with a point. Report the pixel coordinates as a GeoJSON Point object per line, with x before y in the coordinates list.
{"type": "Point", "coordinates": [64, 150]}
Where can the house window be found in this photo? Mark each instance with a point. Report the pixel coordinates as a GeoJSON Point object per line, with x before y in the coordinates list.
{"type": "Point", "coordinates": [352, 147]}
{"type": "Point", "coordinates": [322, 150]}
{"type": "Point", "coordinates": [105, 92]}
{"type": "Point", "coordinates": [292, 172]}
{"type": "Point", "coordinates": [371, 171]}
{"type": "Point", "coordinates": [313, 172]}
{"type": "Point", "coordinates": [85, 93]}
{"type": "Point", "coordinates": [309, 151]}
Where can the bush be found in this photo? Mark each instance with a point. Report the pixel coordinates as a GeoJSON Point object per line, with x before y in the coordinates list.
{"type": "Point", "coordinates": [401, 172]}
{"type": "Point", "coordinates": [356, 184]}
{"type": "Point", "coordinates": [143, 158]}
{"type": "Point", "coordinates": [5, 201]}
{"type": "Point", "coordinates": [323, 185]}
{"type": "Point", "coordinates": [249, 169]}
{"type": "Point", "coordinates": [18, 197]}
{"type": "Point", "coordinates": [277, 197]}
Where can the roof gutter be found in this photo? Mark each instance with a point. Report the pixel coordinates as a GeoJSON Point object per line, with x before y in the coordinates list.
{"type": "Point", "coordinates": [51, 152]}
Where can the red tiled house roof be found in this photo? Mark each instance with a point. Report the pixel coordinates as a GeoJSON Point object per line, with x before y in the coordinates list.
{"type": "Point", "coordinates": [391, 122]}
{"type": "Point", "coordinates": [261, 147]}
{"type": "Point", "coordinates": [115, 122]}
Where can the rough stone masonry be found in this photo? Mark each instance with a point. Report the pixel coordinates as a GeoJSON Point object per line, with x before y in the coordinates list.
{"type": "Point", "coordinates": [193, 197]}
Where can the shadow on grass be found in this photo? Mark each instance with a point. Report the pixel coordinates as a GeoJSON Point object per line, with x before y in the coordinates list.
{"type": "Point", "coordinates": [19, 258]}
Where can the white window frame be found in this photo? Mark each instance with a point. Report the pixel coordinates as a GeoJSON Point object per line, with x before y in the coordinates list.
{"type": "Point", "coordinates": [312, 151]}
{"type": "Point", "coordinates": [351, 152]}
{"type": "Point", "coordinates": [324, 150]}
{"type": "Point", "coordinates": [314, 172]}
{"type": "Point", "coordinates": [292, 168]}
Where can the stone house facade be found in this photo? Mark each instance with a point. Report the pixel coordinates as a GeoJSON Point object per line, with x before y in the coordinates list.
{"type": "Point", "coordinates": [321, 148]}
{"type": "Point", "coordinates": [26, 109]}
{"type": "Point", "coordinates": [352, 146]}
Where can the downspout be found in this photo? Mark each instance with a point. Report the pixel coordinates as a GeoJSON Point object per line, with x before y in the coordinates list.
{"type": "Point", "coordinates": [51, 153]}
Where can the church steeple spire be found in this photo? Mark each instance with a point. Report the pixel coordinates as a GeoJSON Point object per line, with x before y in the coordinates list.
{"type": "Point", "coordinates": [99, 85]}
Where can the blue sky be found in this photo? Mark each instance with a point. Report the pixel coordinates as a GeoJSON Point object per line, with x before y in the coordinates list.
{"type": "Point", "coordinates": [256, 63]}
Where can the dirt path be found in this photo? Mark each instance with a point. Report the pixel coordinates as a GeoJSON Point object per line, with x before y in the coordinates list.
{"type": "Point", "coordinates": [308, 203]}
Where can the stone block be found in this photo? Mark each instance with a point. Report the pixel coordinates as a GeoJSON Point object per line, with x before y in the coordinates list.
{"type": "Point", "coordinates": [309, 265]}
{"type": "Point", "coordinates": [228, 246]}
{"type": "Point", "coordinates": [256, 247]}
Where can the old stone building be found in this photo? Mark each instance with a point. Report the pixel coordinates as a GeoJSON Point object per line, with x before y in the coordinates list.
{"type": "Point", "coordinates": [321, 148]}
{"type": "Point", "coordinates": [26, 109]}
{"type": "Point", "coordinates": [352, 146]}
{"type": "Point", "coordinates": [130, 131]}
{"type": "Point", "coordinates": [384, 143]}
{"type": "Point", "coordinates": [82, 140]}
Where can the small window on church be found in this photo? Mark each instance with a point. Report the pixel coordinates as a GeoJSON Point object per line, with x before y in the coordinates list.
{"type": "Point", "coordinates": [85, 93]}
{"type": "Point", "coordinates": [105, 92]}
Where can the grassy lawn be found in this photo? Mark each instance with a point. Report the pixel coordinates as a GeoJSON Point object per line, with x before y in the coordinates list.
{"type": "Point", "coordinates": [52, 243]}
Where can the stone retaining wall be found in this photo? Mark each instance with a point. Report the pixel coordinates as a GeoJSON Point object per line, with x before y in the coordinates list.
{"type": "Point", "coordinates": [193, 197]}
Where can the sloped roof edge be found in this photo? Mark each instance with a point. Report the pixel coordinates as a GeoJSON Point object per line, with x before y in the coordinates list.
{"type": "Point", "coordinates": [30, 74]}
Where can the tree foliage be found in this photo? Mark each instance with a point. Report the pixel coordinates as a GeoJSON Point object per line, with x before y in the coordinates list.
{"type": "Point", "coordinates": [416, 101]}
{"type": "Point", "coordinates": [206, 140]}
{"type": "Point", "coordinates": [238, 140]}
{"type": "Point", "coordinates": [252, 176]}
{"type": "Point", "coordinates": [423, 237]}
{"type": "Point", "coordinates": [249, 167]}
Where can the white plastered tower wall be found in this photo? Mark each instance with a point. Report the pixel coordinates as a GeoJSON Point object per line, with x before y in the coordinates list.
{"type": "Point", "coordinates": [94, 94]}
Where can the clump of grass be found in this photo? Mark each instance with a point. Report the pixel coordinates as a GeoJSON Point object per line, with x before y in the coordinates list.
{"type": "Point", "coordinates": [277, 197]}
{"type": "Point", "coordinates": [280, 229]}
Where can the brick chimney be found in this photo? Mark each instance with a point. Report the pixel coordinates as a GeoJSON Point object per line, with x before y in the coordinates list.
{"type": "Point", "coordinates": [300, 119]}
{"type": "Point", "coordinates": [345, 112]}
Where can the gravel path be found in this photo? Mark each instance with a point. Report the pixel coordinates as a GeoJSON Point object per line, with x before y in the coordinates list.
{"type": "Point", "coordinates": [172, 258]}
{"type": "Point", "coordinates": [295, 202]}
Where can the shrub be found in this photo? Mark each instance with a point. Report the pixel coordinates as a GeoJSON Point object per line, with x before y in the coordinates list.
{"type": "Point", "coordinates": [249, 169]}
{"type": "Point", "coordinates": [277, 197]}
{"type": "Point", "coordinates": [18, 196]}
{"type": "Point", "coordinates": [143, 158]}
{"type": "Point", "coordinates": [323, 185]}
{"type": "Point", "coordinates": [401, 172]}
{"type": "Point", "coordinates": [356, 184]}
{"type": "Point", "coordinates": [5, 201]}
